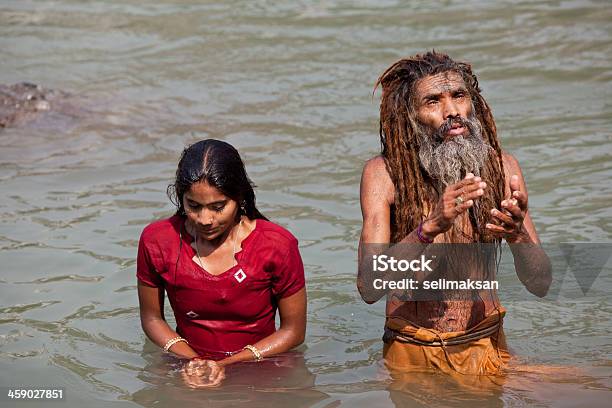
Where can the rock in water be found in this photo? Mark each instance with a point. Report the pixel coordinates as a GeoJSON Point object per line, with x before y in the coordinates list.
{"type": "Point", "coordinates": [24, 102]}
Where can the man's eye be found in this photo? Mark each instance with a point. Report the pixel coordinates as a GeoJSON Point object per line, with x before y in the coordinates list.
{"type": "Point", "coordinates": [431, 102]}
{"type": "Point", "coordinates": [195, 206]}
{"type": "Point", "coordinates": [460, 95]}
{"type": "Point", "coordinates": [219, 208]}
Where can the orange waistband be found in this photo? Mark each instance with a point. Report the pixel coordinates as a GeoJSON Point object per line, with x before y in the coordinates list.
{"type": "Point", "coordinates": [398, 328]}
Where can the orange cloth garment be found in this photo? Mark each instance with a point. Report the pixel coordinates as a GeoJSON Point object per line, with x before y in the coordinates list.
{"type": "Point", "coordinates": [485, 356]}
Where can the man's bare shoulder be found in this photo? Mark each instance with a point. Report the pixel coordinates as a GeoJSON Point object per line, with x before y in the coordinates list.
{"type": "Point", "coordinates": [376, 169]}
{"type": "Point", "coordinates": [376, 165]}
{"type": "Point", "coordinates": [376, 180]}
{"type": "Point", "coordinates": [511, 166]}
{"type": "Point", "coordinates": [510, 162]}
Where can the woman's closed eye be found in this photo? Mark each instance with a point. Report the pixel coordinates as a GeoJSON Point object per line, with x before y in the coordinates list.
{"type": "Point", "coordinates": [218, 208]}
{"type": "Point", "coordinates": [193, 205]}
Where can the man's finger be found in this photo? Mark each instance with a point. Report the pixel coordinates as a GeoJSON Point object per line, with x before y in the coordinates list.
{"type": "Point", "coordinates": [514, 183]}
{"type": "Point", "coordinates": [503, 218]}
{"type": "Point", "coordinates": [512, 207]}
{"type": "Point", "coordinates": [473, 193]}
{"type": "Point", "coordinates": [521, 199]}
{"type": "Point", "coordinates": [465, 182]}
{"type": "Point", "coordinates": [463, 206]}
{"type": "Point", "coordinates": [498, 229]}
{"type": "Point", "coordinates": [468, 181]}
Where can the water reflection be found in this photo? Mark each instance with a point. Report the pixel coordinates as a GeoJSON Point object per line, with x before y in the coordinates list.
{"type": "Point", "coordinates": [423, 387]}
{"type": "Point", "coordinates": [280, 381]}
{"type": "Point", "coordinates": [521, 384]}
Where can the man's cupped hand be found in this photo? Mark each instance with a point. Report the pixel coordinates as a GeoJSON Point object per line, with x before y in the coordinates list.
{"type": "Point", "coordinates": [508, 223]}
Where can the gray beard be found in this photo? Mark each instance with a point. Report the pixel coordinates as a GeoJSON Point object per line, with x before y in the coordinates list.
{"type": "Point", "coordinates": [447, 161]}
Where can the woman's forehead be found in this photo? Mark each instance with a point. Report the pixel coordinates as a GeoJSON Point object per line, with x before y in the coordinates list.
{"type": "Point", "coordinates": [204, 192]}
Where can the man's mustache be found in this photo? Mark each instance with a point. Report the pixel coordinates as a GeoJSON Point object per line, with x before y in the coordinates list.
{"type": "Point", "coordinates": [448, 125]}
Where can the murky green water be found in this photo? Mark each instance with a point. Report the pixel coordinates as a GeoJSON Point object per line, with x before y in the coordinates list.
{"type": "Point", "coordinates": [290, 84]}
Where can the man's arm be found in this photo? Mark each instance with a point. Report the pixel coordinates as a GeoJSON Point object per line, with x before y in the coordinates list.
{"type": "Point", "coordinates": [531, 262]}
{"type": "Point", "coordinates": [376, 197]}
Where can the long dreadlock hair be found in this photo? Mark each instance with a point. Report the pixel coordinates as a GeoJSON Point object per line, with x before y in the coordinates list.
{"type": "Point", "coordinates": [400, 145]}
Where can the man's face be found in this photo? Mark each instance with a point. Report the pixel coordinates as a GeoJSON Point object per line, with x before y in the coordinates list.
{"type": "Point", "coordinates": [441, 97]}
{"type": "Point", "coordinates": [450, 134]}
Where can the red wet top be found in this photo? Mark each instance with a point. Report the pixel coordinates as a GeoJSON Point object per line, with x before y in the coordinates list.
{"type": "Point", "coordinates": [220, 314]}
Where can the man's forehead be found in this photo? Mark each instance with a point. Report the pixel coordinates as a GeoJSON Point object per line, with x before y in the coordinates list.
{"type": "Point", "coordinates": [439, 83]}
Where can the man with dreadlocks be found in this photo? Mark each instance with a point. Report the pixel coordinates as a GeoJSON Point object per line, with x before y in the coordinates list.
{"type": "Point", "coordinates": [443, 178]}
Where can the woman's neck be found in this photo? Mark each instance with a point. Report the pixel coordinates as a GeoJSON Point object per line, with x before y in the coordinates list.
{"type": "Point", "coordinates": [229, 235]}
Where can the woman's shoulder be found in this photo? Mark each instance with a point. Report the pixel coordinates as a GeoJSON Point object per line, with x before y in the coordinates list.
{"type": "Point", "coordinates": [165, 228]}
{"type": "Point", "coordinates": [274, 232]}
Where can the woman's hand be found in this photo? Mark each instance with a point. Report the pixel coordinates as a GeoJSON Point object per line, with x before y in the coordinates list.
{"type": "Point", "coordinates": [200, 373]}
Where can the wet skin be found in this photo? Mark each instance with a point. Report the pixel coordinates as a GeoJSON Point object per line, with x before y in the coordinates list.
{"type": "Point", "coordinates": [213, 220]}
{"type": "Point", "coordinates": [440, 97]}
{"type": "Point", "coordinates": [437, 99]}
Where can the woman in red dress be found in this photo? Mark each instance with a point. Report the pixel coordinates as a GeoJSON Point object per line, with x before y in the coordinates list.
{"type": "Point", "coordinates": [225, 268]}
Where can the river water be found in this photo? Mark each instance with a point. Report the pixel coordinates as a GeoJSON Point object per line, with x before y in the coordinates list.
{"type": "Point", "coordinates": [289, 83]}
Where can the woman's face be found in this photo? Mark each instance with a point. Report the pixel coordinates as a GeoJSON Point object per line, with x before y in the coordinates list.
{"type": "Point", "coordinates": [211, 212]}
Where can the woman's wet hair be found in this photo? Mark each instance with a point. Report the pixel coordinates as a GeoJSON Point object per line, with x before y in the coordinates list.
{"type": "Point", "coordinates": [219, 164]}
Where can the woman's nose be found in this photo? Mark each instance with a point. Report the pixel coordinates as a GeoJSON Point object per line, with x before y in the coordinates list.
{"type": "Point", "coordinates": [205, 217]}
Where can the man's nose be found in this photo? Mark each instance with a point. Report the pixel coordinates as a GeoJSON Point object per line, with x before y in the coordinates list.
{"type": "Point", "coordinates": [450, 110]}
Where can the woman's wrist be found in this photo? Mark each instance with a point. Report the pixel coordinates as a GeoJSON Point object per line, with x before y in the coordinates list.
{"type": "Point", "coordinates": [246, 354]}
{"type": "Point", "coordinates": [181, 349]}
{"type": "Point", "coordinates": [231, 360]}
{"type": "Point", "coordinates": [172, 341]}
{"type": "Point", "coordinates": [255, 351]}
